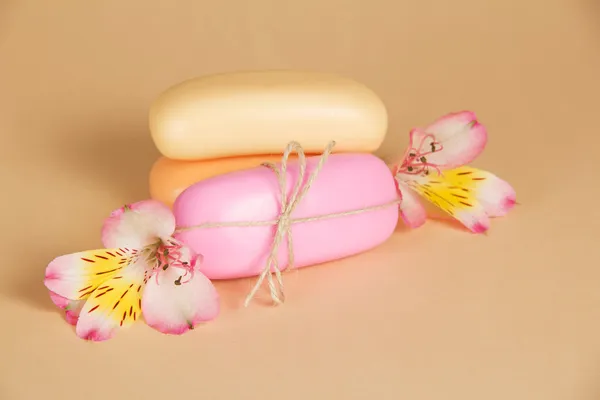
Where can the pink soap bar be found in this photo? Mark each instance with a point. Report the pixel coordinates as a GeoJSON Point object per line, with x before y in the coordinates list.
{"type": "Point", "coordinates": [346, 182]}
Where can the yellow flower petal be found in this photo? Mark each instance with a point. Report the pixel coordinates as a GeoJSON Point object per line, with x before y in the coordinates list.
{"type": "Point", "coordinates": [468, 194]}
{"type": "Point", "coordinates": [75, 276]}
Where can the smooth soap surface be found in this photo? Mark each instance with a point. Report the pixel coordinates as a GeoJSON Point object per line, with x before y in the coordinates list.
{"type": "Point", "coordinates": [168, 178]}
{"type": "Point", "coordinates": [260, 112]}
{"type": "Point", "coordinates": [347, 182]}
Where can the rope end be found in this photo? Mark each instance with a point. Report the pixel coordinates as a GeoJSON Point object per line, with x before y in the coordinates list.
{"type": "Point", "coordinates": [276, 300]}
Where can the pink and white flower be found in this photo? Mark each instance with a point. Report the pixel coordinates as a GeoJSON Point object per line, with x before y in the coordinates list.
{"type": "Point", "coordinates": [142, 270]}
{"type": "Point", "coordinates": [434, 168]}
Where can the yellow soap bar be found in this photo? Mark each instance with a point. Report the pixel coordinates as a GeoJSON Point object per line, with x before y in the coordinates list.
{"type": "Point", "coordinates": [168, 178]}
{"type": "Point", "coordinates": [251, 113]}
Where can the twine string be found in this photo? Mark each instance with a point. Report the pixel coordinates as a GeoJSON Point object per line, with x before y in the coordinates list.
{"type": "Point", "coordinates": [284, 222]}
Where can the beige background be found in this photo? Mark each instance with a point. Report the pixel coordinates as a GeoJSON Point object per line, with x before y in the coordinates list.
{"type": "Point", "coordinates": [434, 313]}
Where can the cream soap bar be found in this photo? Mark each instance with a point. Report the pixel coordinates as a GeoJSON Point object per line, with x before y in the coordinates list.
{"type": "Point", "coordinates": [252, 113]}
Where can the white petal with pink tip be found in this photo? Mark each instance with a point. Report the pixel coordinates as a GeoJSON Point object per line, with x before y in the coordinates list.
{"type": "Point", "coordinates": [411, 210]}
{"type": "Point", "coordinates": [175, 308]}
{"type": "Point", "coordinates": [138, 225]}
{"type": "Point", "coordinates": [461, 137]}
{"type": "Point", "coordinates": [497, 196]}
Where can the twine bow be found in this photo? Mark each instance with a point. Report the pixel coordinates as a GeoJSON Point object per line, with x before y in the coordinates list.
{"type": "Point", "coordinates": [284, 222]}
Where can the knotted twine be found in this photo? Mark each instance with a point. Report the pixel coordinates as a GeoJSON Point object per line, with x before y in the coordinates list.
{"type": "Point", "coordinates": [284, 222]}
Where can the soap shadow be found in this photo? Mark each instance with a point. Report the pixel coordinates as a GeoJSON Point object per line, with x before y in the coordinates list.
{"type": "Point", "coordinates": [233, 292]}
{"type": "Point", "coordinates": [591, 11]}
{"type": "Point", "coordinates": [6, 8]}
{"type": "Point", "coordinates": [30, 290]}
{"type": "Point", "coordinates": [401, 227]}
{"type": "Point", "coordinates": [442, 222]}
{"type": "Point", "coordinates": [592, 7]}
{"type": "Point", "coordinates": [114, 159]}
{"type": "Point", "coordinates": [449, 224]}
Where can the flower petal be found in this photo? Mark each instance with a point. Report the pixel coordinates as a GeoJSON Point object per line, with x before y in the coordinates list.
{"type": "Point", "coordinates": [71, 307]}
{"type": "Point", "coordinates": [176, 308]}
{"type": "Point", "coordinates": [461, 136]}
{"type": "Point", "coordinates": [411, 210]}
{"type": "Point", "coordinates": [75, 276]}
{"type": "Point", "coordinates": [496, 195]}
{"type": "Point", "coordinates": [138, 225]}
{"type": "Point", "coordinates": [115, 304]}
{"type": "Point", "coordinates": [58, 300]}
{"type": "Point", "coordinates": [73, 310]}
{"type": "Point", "coordinates": [468, 194]}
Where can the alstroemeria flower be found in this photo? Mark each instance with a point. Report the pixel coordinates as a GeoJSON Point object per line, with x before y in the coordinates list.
{"type": "Point", "coordinates": [434, 168]}
{"type": "Point", "coordinates": [142, 271]}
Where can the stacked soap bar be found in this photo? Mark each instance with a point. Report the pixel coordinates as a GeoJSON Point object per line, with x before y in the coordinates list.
{"type": "Point", "coordinates": [222, 123]}
{"type": "Point", "coordinates": [214, 133]}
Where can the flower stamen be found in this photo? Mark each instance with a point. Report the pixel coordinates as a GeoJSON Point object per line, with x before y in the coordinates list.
{"type": "Point", "coordinates": [415, 159]}
{"type": "Point", "coordinates": [167, 254]}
